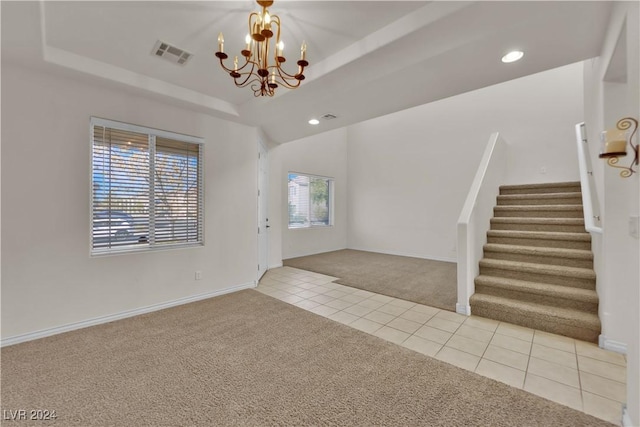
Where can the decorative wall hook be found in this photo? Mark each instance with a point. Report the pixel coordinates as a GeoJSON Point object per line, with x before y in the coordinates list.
{"type": "Point", "coordinates": [614, 144]}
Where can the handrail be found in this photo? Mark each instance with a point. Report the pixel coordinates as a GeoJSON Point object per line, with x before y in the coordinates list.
{"type": "Point", "coordinates": [585, 182]}
{"type": "Point", "coordinates": [474, 220]}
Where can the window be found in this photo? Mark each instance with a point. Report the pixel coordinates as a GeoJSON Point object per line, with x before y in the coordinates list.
{"type": "Point", "coordinates": [147, 190]}
{"type": "Point", "coordinates": [310, 201]}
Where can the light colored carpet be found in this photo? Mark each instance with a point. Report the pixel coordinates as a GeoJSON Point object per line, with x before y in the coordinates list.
{"type": "Point", "coordinates": [419, 280]}
{"type": "Point", "coordinates": [248, 359]}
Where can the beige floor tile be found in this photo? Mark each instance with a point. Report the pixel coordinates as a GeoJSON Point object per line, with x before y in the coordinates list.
{"type": "Point", "coordinates": [380, 317]}
{"type": "Point", "coordinates": [292, 299]}
{"type": "Point", "coordinates": [382, 298]}
{"type": "Point", "coordinates": [358, 310]}
{"type": "Point", "coordinates": [416, 316]}
{"type": "Point", "coordinates": [320, 281]}
{"type": "Point", "coordinates": [279, 294]}
{"type": "Point", "coordinates": [363, 293]}
{"type": "Point", "coordinates": [474, 333]}
{"type": "Point", "coordinates": [369, 303]}
{"type": "Point", "coordinates": [482, 323]}
{"type": "Point", "coordinates": [306, 304]}
{"type": "Point", "coordinates": [507, 357]}
{"type": "Point", "coordinates": [555, 341]}
{"type": "Point", "coordinates": [339, 304]}
{"type": "Point", "coordinates": [593, 351]}
{"type": "Point", "coordinates": [307, 286]}
{"type": "Point", "coordinates": [515, 331]}
{"type": "Point", "coordinates": [553, 355]}
{"type": "Point", "coordinates": [322, 290]}
{"type": "Point", "coordinates": [392, 309]}
{"type": "Point", "coordinates": [343, 288]}
{"type": "Point", "coordinates": [451, 316]}
{"type": "Point", "coordinates": [511, 343]}
{"type": "Point", "coordinates": [603, 408]}
{"type": "Point", "coordinates": [555, 391]}
{"type": "Point", "coordinates": [603, 369]}
{"type": "Point", "coordinates": [365, 325]}
{"type": "Point", "coordinates": [307, 294]}
{"type": "Point", "coordinates": [324, 310]}
{"type": "Point", "coordinates": [420, 308]}
{"type": "Point", "coordinates": [506, 374]}
{"type": "Point", "coordinates": [603, 387]}
{"type": "Point", "coordinates": [331, 285]}
{"type": "Point", "coordinates": [433, 334]}
{"type": "Point", "coordinates": [458, 358]}
{"type": "Point", "coordinates": [353, 298]}
{"type": "Point", "coordinates": [404, 325]}
{"type": "Point", "coordinates": [322, 299]}
{"type": "Point", "coordinates": [415, 343]}
{"type": "Point", "coordinates": [343, 317]}
{"type": "Point", "coordinates": [445, 325]}
{"type": "Point", "coordinates": [468, 345]}
{"type": "Point", "coordinates": [391, 334]}
{"type": "Point", "coordinates": [336, 294]}
{"type": "Point", "coordinates": [402, 303]}
{"type": "Point", "coordinates": [555, 372]}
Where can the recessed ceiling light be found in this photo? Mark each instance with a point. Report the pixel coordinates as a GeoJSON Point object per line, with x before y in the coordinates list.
{"type": "Point", "coordinates": [512, 56]}
{"type": "Point", "coordinates": [314, 122]}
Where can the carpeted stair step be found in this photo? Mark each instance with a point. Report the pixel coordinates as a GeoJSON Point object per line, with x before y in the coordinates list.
{"type": "Point", "coordinates": [540, 255]}
{"type": "Point", "coordinates": [540, 199]}
{"type": "Point", "coordinates": [540, 238]}
{"type": "Point", "coordinates": [539, 211]}
{"type": "Point", "coordinates": [563, 321]}
{"type": "Point", "coordinates": [567, 225]}
{"type": "Point", "coordinates": [584, 278]}
{"type": "Point", "coordinates": [553, 187]}
{"type": "Point", "coordinates": [539, 293]}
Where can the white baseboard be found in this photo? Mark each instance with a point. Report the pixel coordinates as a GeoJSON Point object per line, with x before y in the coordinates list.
{"type": "Point", "coordinates": [463, 309]}
{"type": "Point", "coordinates": [117, 316]}
{"type": "Point", "coordinates": [409, 254]}
{"type": "Point", "coordinates": [611, 345]}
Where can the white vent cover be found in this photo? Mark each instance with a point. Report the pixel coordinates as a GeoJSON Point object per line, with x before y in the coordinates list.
{"type": "Point", "coordinates": [329, 116]}
{"type": "Point", "coordinates": [171, 53]}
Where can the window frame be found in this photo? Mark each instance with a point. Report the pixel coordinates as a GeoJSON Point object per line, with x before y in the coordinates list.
{"type": "Point", "coordinates": [152, 134]}
{"type": "Point", "coordinates": [330, 201]}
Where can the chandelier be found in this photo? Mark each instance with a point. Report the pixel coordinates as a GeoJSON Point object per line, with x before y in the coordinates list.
{"type": "Point", "coordinates": [257, 71]}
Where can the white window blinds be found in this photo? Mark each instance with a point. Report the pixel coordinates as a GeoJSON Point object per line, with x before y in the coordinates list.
{"type": "Point", "coordinates": [147, 188]}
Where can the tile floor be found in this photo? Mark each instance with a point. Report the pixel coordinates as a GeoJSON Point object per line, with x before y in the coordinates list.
{"type": "Point", "coordinates": [571, 372]}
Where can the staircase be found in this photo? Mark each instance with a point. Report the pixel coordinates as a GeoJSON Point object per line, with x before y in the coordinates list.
{"type": "Point", "coordinates": [537, 269]}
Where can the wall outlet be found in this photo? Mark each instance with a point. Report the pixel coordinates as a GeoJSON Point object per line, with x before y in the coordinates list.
{"type": "Point", "coordinates": [634, 226]}
{"type": "Point", "coordinates": [198, 275]}
{"type": "Point", "coordinates": [543, 170]}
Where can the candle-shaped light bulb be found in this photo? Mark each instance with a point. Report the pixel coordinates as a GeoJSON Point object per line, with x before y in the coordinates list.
{"type": "Point", "coordinates": [273, 76]}
{"type": "Point", "coordinates": [280, 47]}
{"type": "Point", "coordinates": [267, 18]}
{"type": "Point", "coordinates": [247, 40]}
{"type": "Point", "coordinates": [303, 50]}
{"type": "Point", "coordinates": [220, 43]}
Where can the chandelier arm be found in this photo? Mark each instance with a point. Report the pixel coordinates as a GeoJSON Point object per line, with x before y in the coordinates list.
{"type": "Point", "coordinates": [249, 75]}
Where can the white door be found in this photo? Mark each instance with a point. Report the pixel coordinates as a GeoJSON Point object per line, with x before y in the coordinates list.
{"type": "Point", "coordinates": [263, 219]}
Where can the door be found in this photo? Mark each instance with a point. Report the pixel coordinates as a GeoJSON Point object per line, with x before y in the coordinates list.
{"type": "Point", "coordinates": [263, 217]}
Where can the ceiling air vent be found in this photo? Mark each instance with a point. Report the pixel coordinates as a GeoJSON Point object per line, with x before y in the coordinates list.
{"type": "Point", "coordinates": [171, 53]}
{"type": "Point", "coordinates": [329, 116]}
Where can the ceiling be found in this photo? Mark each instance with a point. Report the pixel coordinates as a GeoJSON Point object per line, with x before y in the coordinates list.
{"type": "Point", "coordinates": [367, 58]}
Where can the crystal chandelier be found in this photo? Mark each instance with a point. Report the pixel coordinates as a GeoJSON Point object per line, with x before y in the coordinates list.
{"type": "Point", "coordinates": [257, 71]}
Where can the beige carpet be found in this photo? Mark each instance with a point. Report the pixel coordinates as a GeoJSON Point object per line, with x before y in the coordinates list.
{"type": "Point", "coordinates": [248, 359]}
{"type": "Point", "coordinates": [413, 279]}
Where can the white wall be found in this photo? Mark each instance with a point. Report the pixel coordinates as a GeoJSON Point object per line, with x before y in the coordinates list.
{"type": "Point", "coordinates": [605, 103]}
{"type": "Point", "coordinates": [324, 154]}
{"type": "Point", "coordinates": [48, 277]}
{"type": "Point", "coordinates": [409, 172]}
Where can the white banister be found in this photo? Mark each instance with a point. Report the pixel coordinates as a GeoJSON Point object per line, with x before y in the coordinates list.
{"type": "Point", "coordinates": [474, 220]}
{"type": "Point", "coordinates": [585, 181]}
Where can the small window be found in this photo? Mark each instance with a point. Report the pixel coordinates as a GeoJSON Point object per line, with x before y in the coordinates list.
{"type": "Point", "coordinates": [310, 201]}
{"type": "Point", "coordinates": [147, 188]}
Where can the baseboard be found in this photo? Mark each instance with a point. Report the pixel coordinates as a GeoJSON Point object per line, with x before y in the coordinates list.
{"type": "Point", "coordinates": [411, 255]}
{"type": "Point", "coordinates": [611, 345]}
{"type": "Point", "coordinates": [117, 316]}
{"type": "Point", "coordinates": [463, 309]}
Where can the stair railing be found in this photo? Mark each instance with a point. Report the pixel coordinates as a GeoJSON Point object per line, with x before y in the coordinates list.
{"type": "Point", "coordinates": [474, 220]}
{"type": "Point", "coordinates": [586, 176]}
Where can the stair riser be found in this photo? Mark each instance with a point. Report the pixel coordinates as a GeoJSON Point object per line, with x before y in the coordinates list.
{"type": "Point", "coordinates": [551, 300]}
{"type": "Point", "coordinates": [536, 322]}
{"type": "Point", "coordinates": [538, 259]}
{"type": "Point", "coordinates": [504, 213]}
{"type": "Point", "coordinates": [563, 228]}
{"type": "Point", "coordinates": [541, 190]}
{"type": "Point", "coordinates": [503, 201]}
{"type": "Point", "coordinates": [575, 282]}
{"type": "Point", "coordinates": [541, 243]}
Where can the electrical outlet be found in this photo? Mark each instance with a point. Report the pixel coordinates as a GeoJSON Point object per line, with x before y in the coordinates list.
{"type": "Point", "coordinates": [198, 275]}
{"type": "Point", "coordinates": [543, 170]}
{"type": "Point", "coordinates": [634, 226]}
